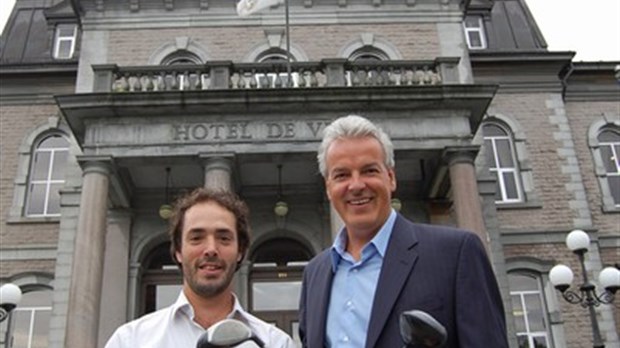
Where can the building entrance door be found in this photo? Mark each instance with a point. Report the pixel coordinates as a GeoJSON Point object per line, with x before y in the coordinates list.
{"type": "Point", "coordinates": [275, 283]}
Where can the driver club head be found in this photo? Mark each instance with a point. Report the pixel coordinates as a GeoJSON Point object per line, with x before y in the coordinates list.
{"type": "Point", "coordinates": [226, 333]}
{"type": "Point", "coordinates": [420, 329]}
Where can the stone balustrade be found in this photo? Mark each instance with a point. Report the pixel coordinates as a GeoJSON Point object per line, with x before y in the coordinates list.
{"type": "Point", "coordinates": [273, 75]}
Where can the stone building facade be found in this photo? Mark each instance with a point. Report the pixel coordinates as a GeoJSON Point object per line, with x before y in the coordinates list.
{"type": "Point", "coordinates": [110, 109]}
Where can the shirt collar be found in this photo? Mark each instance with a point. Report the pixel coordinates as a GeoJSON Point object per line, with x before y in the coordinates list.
{"type": "Point", "coordinates": [379, 241]}
{"type": "Point", "coordinates": [182, 305]}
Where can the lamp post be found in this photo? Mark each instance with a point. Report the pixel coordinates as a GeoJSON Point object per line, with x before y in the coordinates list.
{"type": "Point", "coordinates": [10, 295]}
{"type": "Point", "coordinates": [561, 277]}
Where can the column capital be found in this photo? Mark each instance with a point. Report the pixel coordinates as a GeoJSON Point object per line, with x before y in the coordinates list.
{"type": "Point", "coordinates": [217, 160]}
{"type": "Point", "coordinates": [100, 164]}
{"type": "Point", "coordinates": [460, 154]}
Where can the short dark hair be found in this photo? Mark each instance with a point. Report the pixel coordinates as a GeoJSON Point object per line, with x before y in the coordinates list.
{"type": "Point", "coordinates": [226, 199]}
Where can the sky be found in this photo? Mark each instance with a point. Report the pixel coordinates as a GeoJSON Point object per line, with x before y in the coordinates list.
{"type": "Point", "coordinates": [591, 28]}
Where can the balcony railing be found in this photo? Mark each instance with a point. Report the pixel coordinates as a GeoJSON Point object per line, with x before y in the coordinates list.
{"type": "Point", "coordinates": [273, 75]}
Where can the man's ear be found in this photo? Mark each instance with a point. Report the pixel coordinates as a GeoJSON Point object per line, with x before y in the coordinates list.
{"type": "Point", "coordinates": [327, 190]}
{"type": "Point", "coordinates": [177, 255]}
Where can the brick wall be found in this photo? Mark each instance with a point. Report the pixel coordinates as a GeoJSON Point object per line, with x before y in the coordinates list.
{"type": "Point", "coordinates": [533, 115]}
{"type": "Point", "coordinates": [17, 123]}
{"type": "Point", "coordinates": [581, 115]}
{"type": "Point", "coordinates": [134, 47]}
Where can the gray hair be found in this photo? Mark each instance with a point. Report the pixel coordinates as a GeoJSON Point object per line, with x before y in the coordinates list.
{"type": "Point", "coordinates": [354, 126]}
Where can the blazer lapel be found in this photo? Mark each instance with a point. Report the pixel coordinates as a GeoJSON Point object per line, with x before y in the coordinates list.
{"type": "Point", "coordinates": [320, 290]}
{"type": "Point", "coordinates": [400, 257]}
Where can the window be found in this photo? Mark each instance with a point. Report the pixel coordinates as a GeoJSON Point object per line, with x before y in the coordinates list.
{"type": "Point", "coordinates": [47, 171]}
{"type": "Point", "coordinates": [609, 145]}
{"type": "Point", "coordinates": [474, 32]}
{"type": "Point", "coordinates": [500, 156]}
{"type": "Point", "coordinates": [64, 41]}
{"type": "Point", "coordinates": [273, 80]}
{"type": "Point", "coordinates": [528, 309]}
{"type": "Point", "coordinates": [31, 320]}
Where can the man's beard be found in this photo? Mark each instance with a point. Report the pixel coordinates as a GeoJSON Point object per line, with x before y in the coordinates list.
{"type": "Point", "coordinates": [208, 287]}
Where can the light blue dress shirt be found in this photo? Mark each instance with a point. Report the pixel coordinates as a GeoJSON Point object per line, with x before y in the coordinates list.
{"type": "Point", "coordinates": [353, 288]}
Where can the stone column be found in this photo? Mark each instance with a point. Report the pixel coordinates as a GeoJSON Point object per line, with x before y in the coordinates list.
{"type": "Point", "coordinates": [465, 194]}
{"type": "Point", "coordinates": [218, 171]}
{"type": "Point", "coordinates": [87, 270]}
{"type": "Point", "coordinates": [115, 274]}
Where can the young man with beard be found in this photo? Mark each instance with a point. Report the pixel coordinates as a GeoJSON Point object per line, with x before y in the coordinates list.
{"type": "Point", "coordinates": [210, 236]}
{"type": "Point", "coordinates": [381, 264]}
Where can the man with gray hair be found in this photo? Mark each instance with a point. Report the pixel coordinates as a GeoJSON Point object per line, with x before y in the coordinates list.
{"type": "Point", "coordinates": [381, 264]}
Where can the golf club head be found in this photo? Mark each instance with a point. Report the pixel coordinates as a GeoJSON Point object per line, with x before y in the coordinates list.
{"type": "Point", "coordinates": [420, 329]}
{"type": "Point", "coordinates": [227, 333]}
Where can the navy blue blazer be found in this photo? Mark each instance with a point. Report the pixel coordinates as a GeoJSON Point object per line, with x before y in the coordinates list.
{"type": "Point", "coordinates": [441, 270]}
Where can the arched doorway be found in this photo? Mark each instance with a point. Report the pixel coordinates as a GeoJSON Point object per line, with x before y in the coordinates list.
{"type": "Point", "coordinates": [275, 282]}
{"type": "Point", "coordinates": [161, 281]}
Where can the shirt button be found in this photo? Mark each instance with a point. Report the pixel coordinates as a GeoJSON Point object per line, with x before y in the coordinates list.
{"type": "Point", "coordinates": [345, 339]}
{"type": "Point", "coordinates": [349, 303]}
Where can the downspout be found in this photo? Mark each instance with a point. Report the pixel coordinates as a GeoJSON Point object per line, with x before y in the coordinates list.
{"type": "Point", "coordinates": [564, 79]}
{"type": "Point", "coordinates": [77, 9]}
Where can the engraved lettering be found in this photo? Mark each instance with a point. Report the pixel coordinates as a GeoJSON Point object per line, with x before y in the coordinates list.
{"type": "Point", "coordinates": [274, 130]}
{"type": "Point", "coordinates": [217, 128]}
{"type": "Point", "coordinates": [244, 130]}
{"type": "Point", "coordinates": [181, 132]}
{"type": "Point", "coordinates": [200, 132]}
{"type": "Point", "coordinates": [315, 127]}
{"type": "Point", "coordinates": [232, 132]}
{"type": "Point", "coordinates": [289, 130]}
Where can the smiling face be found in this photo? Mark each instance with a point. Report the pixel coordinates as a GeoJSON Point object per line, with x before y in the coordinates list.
{"type": "Point", "coordinates": [209, 249]}
{"type": "Point", "coordinates": [359, 185]}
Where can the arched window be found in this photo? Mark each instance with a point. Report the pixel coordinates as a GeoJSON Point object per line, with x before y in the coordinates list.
{"type": "Point", "coordinates": [609, 146]}
{"type": "Point", "coordinates": [272, 80]}
{"type": "Point", "coordinates": [529, 310]}
{"type": "Point", "coordinates": [368, 53]}
{"type": "Point", "coordinates": [181, 57]}
{"type": "Point", "coordinates": [500, 157]}
{"type": "Point", "coordinates": [47, 175]}
{"type": "Point", "coordinates": [30, 321]}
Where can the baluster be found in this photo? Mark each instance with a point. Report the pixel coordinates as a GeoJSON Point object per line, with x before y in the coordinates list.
{"type": "Point", "coordinates": [379, 79]}
{"type": "Point", "coordinates": [301, 83]}
{"type": "Point", "coordinates": [253, 78]}
{"type": "Point", "coordinates": [121, 84]}
{"type": "Point", "coordinates": [241, 83]}
{"type": "Point", "coordinates": [427, 76]}
{"type": "Point", "coordinates": [278, 80]}
{"type": "Point", "coordinates": [418, 77]}
{"type": "Point", "coordinates": [198, 85]}
{"type": "Point", "coordinates": [134, 84]}
{"type": "Point", "coordinates": [356, 81]}
{"type": "Point", "coordinates": [204, 78]}
{"type": "Point", "coordinates": [391, 76]}
{"type": "Point", "coordinates": [314, 82]}
{"type": "Point", "coordinates": [435, 78]}
{"type": "Point", "coordinates": [146, 82]}
{"type": "Point", "coordinates": [264, 82]}
{"type": "Point", "coordinates": [404, 73]}
{"type": "Point", "coordinates": [160, 84]}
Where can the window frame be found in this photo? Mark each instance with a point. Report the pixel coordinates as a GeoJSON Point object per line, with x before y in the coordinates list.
{"type": "Point", "coordinates": [616, 159]}
{"type": "Point", "coordinates": [48, 181]}
{"type": "Point", "coordinates": [478, 29]}
{"type": "Point", "coordinates": [497, 170]}
{"type": "Point", "coordinates": [605, 122]}
{"type": "Point", "coordinates": [59, 40]}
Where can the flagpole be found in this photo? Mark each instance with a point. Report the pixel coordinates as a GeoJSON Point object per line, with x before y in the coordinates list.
{"type": "Point", "coordinates": [288, 45]}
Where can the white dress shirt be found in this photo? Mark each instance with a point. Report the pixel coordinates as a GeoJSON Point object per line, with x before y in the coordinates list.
{"type": "Point", "coordinates": [174, 327]}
